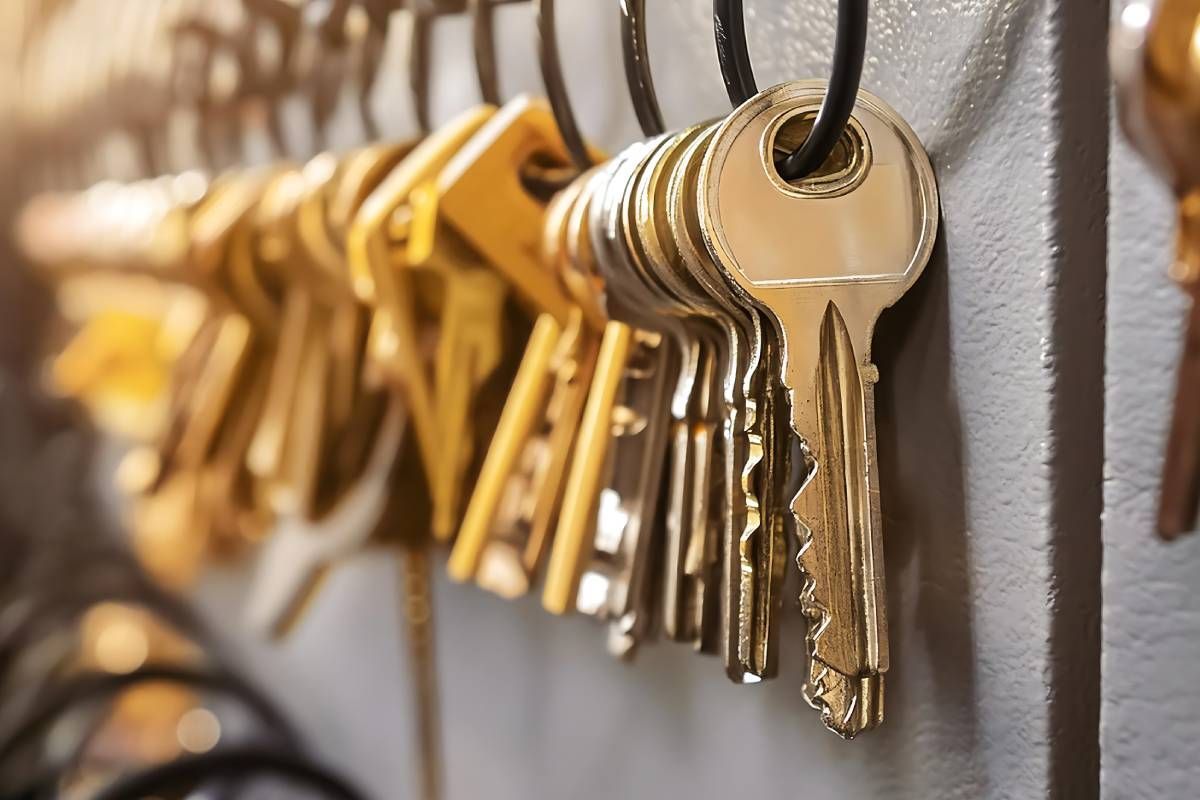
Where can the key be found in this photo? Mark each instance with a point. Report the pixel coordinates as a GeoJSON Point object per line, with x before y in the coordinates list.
{"type": "Point", "coordinates": [299, 552]}
{"type": "Point", "coordinates": [867, 222]}
{"type": "Point", "coordinates": [1156, 74]}
{"type": "Point", "coordinates": [394, 342]}
{"type": "Point", "coordinates": [745, 600]}
{"type": "Point", "coordinates": [516, 500]}
{"type": "Point", "coordinates": [305, 379]}
{"type": "Point", "coordinates": [508, 569]}
{"type": "Point", "coordinates": [690, 582]}
{"type": "Point", "coordinates": [225, 487]}
{"type": "Point", "coordinates": [266, 454]}
{"type": "Point", "coordinates": [313, 238]}
{"type": "Point", "coordinates": [695, 353]}
{"type": "Point", "coordinates": [616, 506]}
{"type": "Point", "coordinates": [469, 309]}
{"type": "Point", "coordinates": [482, 202]}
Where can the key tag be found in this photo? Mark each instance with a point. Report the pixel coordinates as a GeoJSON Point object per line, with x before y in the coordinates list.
{"type": "Point", "coordinates": [866, 221]}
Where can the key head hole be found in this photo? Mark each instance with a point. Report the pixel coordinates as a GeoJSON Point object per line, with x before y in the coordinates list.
{"type": "Point", "coordinates": [842, 171]}
{"type": "Point", "coordinates": [543, 174]}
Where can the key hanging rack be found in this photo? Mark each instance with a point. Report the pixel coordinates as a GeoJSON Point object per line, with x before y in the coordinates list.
{"type": "Point", "coordinates": [579, 374]}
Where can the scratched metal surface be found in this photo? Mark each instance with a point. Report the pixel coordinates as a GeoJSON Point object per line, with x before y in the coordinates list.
{"type": "Point", "coordinates": [989, 442]}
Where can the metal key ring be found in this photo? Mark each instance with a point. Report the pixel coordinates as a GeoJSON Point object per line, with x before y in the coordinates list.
{"type": "Point", "coordinates": [849, 52]}
{"type": "Point", "coordinates": [637, 67]}
{"type": "Point", "coordinates": [483, 39]}
{"type": "Point", "coordinates": [556, 86]}
{"type": "Point", "coordinates": [235, 762]}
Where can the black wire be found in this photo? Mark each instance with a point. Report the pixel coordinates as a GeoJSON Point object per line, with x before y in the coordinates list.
{"type": "Point", "coordinates": [849, 52]}
{"type": "Point", "coordinates": [483, 39]}
{"type": "Point", "coordinates": [637, 67]}
{"type": "Point", "coordinates": [230, 763]}
{"type": "Point", "coordinates": [733, 53]}
{"type": "Point", "coordinates": [556, 86]}
{"type": "Point", "coordinates": [87, 687]}
{"type": "Point", "coordinates": [418, 68]}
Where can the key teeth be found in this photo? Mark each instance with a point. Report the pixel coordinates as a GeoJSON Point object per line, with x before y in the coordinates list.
{"type": "Point", "coordinates": [753, 527]}
{"type": "Point", "coordinates": [848, 706]}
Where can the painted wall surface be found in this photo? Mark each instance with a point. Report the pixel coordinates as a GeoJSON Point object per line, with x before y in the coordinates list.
{"type": "Point", "coordinates": [1151, 708]}
{"type": "Point", "coordinates": [989, 439]}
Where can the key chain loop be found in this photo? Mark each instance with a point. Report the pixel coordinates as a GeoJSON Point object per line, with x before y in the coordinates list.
{"type": "Point", "coordinates": [637, 67]}
{"type": "Point", "coordinates": [556, 86]}
{"type": "Point", "coordinates": [849, 52]}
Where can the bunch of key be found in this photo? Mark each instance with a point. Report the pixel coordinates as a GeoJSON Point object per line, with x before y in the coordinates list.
{"type": "Point", "coordinates": [646, 389]}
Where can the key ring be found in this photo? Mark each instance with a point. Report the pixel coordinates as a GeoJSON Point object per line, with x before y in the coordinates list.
{"type": "Point", "coordinates": [483, 40]}
{"type": "Point", "coordinates": [637, 67]}
{"type": "Point", "coordinates": [231, 763]}
{"type": "Point", "coordinates": [556, 86]}
{"type": "Point", "coordinates": [849, 52]}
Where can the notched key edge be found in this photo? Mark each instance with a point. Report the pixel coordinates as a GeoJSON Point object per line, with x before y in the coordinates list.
{"type": "Point", "coordinates": [849, 703]}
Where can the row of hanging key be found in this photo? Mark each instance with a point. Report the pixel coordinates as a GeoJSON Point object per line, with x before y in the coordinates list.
{"type": "Point", "coordinates": [697, 316]}
{"type": "Point", "coordinates": [677, 359]}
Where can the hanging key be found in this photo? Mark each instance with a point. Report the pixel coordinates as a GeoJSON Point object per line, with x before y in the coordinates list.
{"type": "Point", "coordinates": [826, 255]}
{"type": "Point", "coordinates": [1158, 83]}
{"type": "Point", "coordinates": [751, 565]}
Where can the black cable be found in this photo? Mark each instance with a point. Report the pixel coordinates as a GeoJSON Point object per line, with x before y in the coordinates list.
{"type": "Point", "coordinates": [556, 86]}
{"type": "Point", "coordinates": [637, 67]}
{"type": "Point", "coordinates": [483, 40]}
{"type": "Point", "coordinates": [85, 688]}
{"type": "Point", "coordinates": [733, 53]}
{"type": "Point", "coordinates": [849, 53]}
{"type": "Point", "coordinates": [230, 763]}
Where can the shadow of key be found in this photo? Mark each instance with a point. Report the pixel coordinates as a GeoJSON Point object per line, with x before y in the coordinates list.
{"type": "Point", "coordinates": [919, 429]}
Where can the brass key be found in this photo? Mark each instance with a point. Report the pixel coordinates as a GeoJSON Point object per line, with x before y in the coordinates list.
{"type": "Point", "coordinates": [717, 464]}
{"type": "Point", "coordinates": [370, 249]}
{"type": "Point", "coordinates": [1158, 95]}
{"type": "Point", "coordinates": [826, 255]}
{"type": "Point", "coordinates": [515, 504]}
{"type": "Point", "coordinates": [749, 571]}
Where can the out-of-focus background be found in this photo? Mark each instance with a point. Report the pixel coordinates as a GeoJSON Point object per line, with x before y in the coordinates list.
{"type": "Point", "coordinates": [1015, 466]}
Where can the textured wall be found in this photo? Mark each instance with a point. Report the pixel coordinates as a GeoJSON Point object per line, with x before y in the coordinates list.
{"type": "Point", "coordinates": [1151, 713]}
{"type": "Point", "coordinates": [989, 439]}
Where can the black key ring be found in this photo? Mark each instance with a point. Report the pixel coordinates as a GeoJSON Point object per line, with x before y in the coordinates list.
{"type": "Point", "coordinates": [849, 52]}
{"type": "Point", "coordinates": [637, 67]}
{"type": "Point", "coordinates": [233, 762]}
{"type": "Point", "coordinates": [90, 686]}
{"type": "Point", "coordinates": [556, 86]}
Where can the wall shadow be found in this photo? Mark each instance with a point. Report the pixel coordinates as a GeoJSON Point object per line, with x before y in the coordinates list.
{"type": "Point", "coordinates": [920, 450]}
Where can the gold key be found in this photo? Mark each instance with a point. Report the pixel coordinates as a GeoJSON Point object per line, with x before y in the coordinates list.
{"type": "Point", "coordinates": [395, 343]}
{"type": "Point", "coordinates": [482, 201]}
{"type": "Point", "coordinates": [508, 523]}
{"type": "Point", "coordinates": [469, 311]}
{"type": "Point", "coordinates": [1153, 57]}
{"type": "Point", "coordinates": [751, 566]}
{"type": "Point", "coordinates": [696, 511]}
{"type": "Point", "coordinates": [867, 222]}
{"type": "Point", "coordinates": [608, 533]}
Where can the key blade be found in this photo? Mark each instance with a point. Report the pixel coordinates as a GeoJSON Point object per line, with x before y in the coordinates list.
{"type": "Point", "coordinates": [516, 425]}
{"type": "Point", "coordinates": [1180, 494]}
{"type": "Point", "coordinates": [839, 526]}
